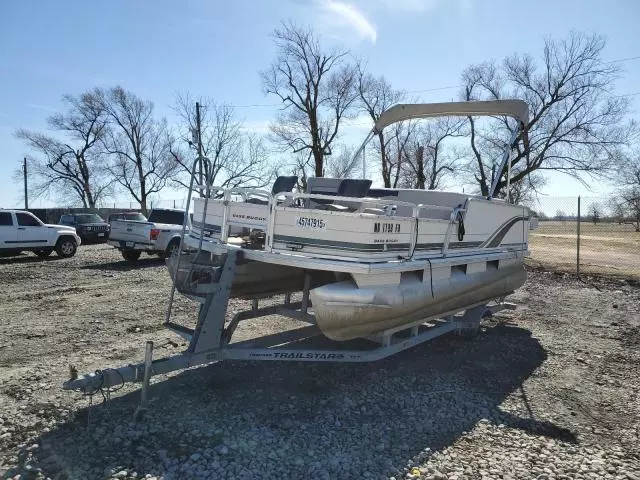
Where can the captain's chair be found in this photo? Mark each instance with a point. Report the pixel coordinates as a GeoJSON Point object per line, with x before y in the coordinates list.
{"type": "Point", "coordinates": [282, 184]}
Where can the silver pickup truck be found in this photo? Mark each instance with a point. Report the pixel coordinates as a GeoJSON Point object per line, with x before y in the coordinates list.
{"type": "Point", "coordinates": [159, 235]}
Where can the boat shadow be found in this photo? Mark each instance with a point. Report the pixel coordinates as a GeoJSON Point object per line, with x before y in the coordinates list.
{"type": "Point", "coordinates": [424, 398]}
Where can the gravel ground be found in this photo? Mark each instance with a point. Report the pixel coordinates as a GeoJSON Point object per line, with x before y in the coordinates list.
{"type": "Point", "coordinates": [548, 391]}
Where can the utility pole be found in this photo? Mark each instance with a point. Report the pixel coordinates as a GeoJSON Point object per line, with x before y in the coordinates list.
{"type": "Point", "coordinates": [199, 135]}
{"type": "Point", "coordinates": [24, 173]}
{"type": "Point", "coordinates": [578, 241]}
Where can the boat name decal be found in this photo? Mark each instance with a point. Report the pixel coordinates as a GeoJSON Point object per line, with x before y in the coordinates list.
{"type": "Point", "coordinates": [308, 222]}
{"type": "Point", "coordinates": [385, 240]}
{"type": "Point", "coordinates": [386, 227]}
{"type": "Point", "coordinates": [249, 217]}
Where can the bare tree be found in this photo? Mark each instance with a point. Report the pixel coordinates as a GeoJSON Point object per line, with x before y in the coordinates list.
{"type": "Point", "coordinates": [617, 209]}
{"type": "Point", "coordinates": [630, 200]}
{"type": "Point", "coordinates": [627, 200]}
{"type": "Point", "coordinates": [317, 89]}
{"type": "Point", "coordinates": [375, 95]}
{"type": "Point", "coordinates": [341, 164]}
{"type": "Point", "coordinates": [301, 166]}
{"type": "Point", "coordinates": [237, 157]}
{"type": "Point", "coordinates": [428, 161]}
{"type": "Point", "coordinates": [577, 126]}
{"type": "Point", "coordinates": [526, 190]}
{"type": "Point", "coordinates": [397, 147]}
{"type": "Point", "coordinates": [140, 145]}
{"type": "Point", "coordinates": [560, 215]}
{"type": "Point", "coordinates": [71, 167]}
{"type": "Point", "coordinates": [595, 213]}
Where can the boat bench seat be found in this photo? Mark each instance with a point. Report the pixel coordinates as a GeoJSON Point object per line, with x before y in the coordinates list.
{"type": "Point", "coordinates": [345, 187]}
{"type": "Point", "coordinates": [350, 188]}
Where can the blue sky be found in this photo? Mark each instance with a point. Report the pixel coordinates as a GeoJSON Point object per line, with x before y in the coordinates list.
{"type": "Point", "coordinates": [216, 49]}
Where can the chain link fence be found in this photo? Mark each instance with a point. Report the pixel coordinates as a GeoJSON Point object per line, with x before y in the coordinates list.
{"type": "Point", "coordinates": [155, 203]}
{"type": "Point", "coordinates": [584, 235]}
{"type": "Point", "coordinates": [52, 214]}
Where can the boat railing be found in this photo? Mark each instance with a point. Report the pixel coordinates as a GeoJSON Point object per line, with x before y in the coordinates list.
{"type": "Point", "coordinates": [384, 207]}
{"type": "Point", "coordinates": [362, 201]}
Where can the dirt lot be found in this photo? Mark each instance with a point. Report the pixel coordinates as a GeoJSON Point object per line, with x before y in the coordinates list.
{"type": "Point", "coordinates": [608, 248]}
{"type": "Point", "coordinates": [550, 390]}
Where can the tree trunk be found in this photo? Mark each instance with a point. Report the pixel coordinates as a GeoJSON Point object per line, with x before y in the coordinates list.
{"type": "Point", "coordinates": [143, 204]}
{"type": "Point", "coordinates": [386, 176]}
{"type": "Point", "coordinates": [143, 185]}
{"type": "Point", "coordinates": [90, 198]}
{"type": "Point", "coordinates": [319, 160]}
{"type": "Point", "coordinates": [434, 168]}
{"type": "Point", "coordinates": [420, 177]}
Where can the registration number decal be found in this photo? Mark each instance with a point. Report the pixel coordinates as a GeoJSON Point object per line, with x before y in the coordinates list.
{"type": "Point", "coordinates": [386, 228]}
{"type": "Point", "coordinates": [308, 222]}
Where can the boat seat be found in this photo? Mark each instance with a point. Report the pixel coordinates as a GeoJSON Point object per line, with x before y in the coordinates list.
{"type": "Point", "coordinates": [282, 184]}
{"type": "Point", "coordinates": [375, 211]}
{"type": "Point", "coordinates": [349, 187]}
{"type": "Point", "coordinates": [344, 187]}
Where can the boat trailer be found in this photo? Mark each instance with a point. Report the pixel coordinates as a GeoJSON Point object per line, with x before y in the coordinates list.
{"type": "Point", "coordinates": [210, 340]}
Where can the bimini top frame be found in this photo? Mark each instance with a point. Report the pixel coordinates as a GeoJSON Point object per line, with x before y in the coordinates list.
{"type": "Point", "coordinates": [517, 109]}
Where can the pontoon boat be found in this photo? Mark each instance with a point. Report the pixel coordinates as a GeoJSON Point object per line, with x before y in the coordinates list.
{"type": "Point", "coordinates": [396, 267]}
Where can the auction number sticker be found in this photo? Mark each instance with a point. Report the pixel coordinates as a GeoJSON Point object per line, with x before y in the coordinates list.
{"type": "Point", "coordinates": [308, 222]}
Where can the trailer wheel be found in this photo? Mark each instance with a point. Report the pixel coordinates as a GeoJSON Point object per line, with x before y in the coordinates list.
{"type": "Point", "coordinates": [131, 255]}
{"type": "Point", "coordinates": [66, 247]}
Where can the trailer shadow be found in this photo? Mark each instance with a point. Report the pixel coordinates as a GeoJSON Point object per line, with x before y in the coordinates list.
{"type": "Point", "coordinates": [426, 397]}
{"type": "Point", "coordinates": [125, 266]}
{"type": "Point", "coordinates": [27, 258]}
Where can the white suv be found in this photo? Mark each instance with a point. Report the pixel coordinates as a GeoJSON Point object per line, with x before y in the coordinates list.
{"type": "Point", "coordinates": [21, 230]}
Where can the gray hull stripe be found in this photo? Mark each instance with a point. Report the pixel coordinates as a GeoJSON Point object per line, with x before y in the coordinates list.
{"type": "Point", "coordinates": [363, 247]}
{"type": "Point", "coordinates": [495, 239]}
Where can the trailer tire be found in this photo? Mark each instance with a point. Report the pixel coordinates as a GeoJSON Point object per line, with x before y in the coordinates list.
{"type": "Point", "coordinates": [131, 255]}
{"type": "Point", "coordinates": [66, 247]}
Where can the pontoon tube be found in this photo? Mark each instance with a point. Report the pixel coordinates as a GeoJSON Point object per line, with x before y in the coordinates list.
{"type": "Point", "coordinates": [344, 311]}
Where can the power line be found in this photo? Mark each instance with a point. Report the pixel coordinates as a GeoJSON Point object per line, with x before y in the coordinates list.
{"type": "Point", "coordinates": [436, 89]}
{"type": "Point", "coordinates": [633, 94]}
{"type": "Point", "coordinates": [256, 105]}
{"type": "Point", "coordinates": [620, 60]}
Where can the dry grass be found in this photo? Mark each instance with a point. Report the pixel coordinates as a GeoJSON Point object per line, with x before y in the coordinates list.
{"type": "Point", "coordinates": [604, 247]}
